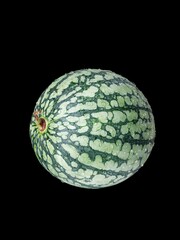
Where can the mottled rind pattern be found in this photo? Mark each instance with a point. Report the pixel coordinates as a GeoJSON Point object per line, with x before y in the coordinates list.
{"type": "Point", "coordinates": [100, 128]}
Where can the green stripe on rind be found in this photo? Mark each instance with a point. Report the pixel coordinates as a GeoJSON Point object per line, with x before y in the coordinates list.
{"type": "Point", "coordinates": [67, 98]}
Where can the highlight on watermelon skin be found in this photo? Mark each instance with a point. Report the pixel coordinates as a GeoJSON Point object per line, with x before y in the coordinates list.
{"type": "Point", "coordinates": [92, 128]}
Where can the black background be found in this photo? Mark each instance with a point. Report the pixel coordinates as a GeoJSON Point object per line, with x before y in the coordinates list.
{"type": "Point", "coordinates": [41, 52]}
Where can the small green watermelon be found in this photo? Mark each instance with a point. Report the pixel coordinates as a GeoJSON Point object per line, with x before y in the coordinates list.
{"type": "Point", "coordinates": [92, 128]}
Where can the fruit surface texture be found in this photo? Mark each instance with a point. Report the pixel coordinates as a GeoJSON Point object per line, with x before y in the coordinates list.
{"type": "Point", "coordinates": [92, 128]}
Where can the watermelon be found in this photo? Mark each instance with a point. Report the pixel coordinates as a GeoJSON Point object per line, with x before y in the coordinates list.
{"type": "Point", "coordinates": [92, 128]}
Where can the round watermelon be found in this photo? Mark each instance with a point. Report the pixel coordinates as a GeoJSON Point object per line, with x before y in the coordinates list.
{"type": "Point", "coordinates": [92, 128]}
